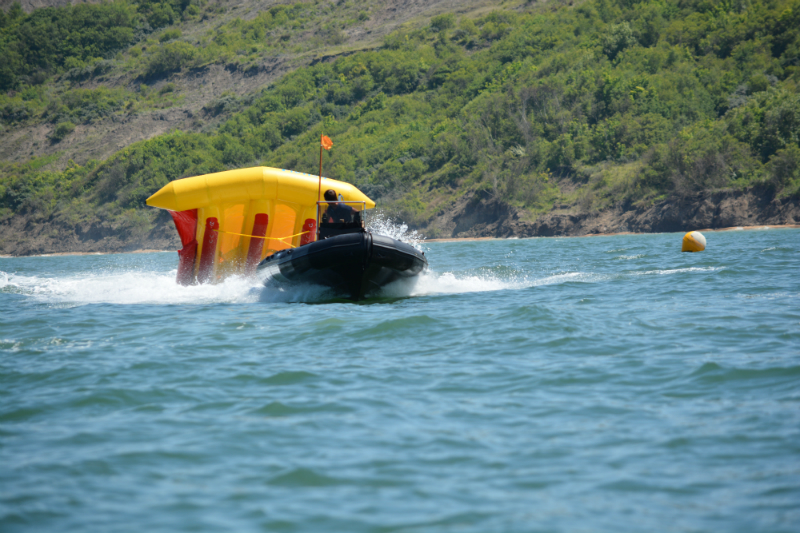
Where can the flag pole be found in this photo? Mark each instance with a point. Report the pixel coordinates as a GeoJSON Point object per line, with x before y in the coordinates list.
{"type": "Point", "coordinates": [319, 189]}
{"type": "Point", "coordinates": [324, 143]}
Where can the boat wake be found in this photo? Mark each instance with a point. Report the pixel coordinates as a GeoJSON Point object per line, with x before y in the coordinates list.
{"type": "Point", "coordinates": [159, 288]}
{"type": "Point", "coordinates": [153, 288]}
{"type": "Point", "coordinates": [126, 288]}
{"type": "Point", "coordinates": [432, 283]}
{"type": "Point", "coordinates": [147, 287]}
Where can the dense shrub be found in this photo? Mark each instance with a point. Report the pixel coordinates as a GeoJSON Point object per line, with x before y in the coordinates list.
{"type": "Point", "coordinates": [784, 170]}
{"type": "Point", "coordinates": [87, 105]}
{"type": "Point", "coordinates": [170, 57]}
{"type": "Point", "coordinates": [61, 130]}
{"type": "Point", "coordinates": [443, 22]}
{"type": "Point", "coordinates": [55, 39]}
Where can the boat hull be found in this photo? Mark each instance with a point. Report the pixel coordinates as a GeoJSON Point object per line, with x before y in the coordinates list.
{"type": "Point", "coordinates": [354, 264]}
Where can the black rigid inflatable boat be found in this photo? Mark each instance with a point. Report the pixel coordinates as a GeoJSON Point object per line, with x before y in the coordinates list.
{"type": "Point", "coordinates": [352, 261]}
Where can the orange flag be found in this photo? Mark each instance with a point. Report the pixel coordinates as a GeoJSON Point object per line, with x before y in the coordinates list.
{"type": "Point", "coordinates": [327, 143]}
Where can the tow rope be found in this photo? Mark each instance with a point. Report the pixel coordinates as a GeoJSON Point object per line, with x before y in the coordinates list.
{"type": "Point", "coordinates": [267, 238]}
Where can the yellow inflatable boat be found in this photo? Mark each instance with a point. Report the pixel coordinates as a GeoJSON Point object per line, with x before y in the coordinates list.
{"type": "Point", "coordinates": [230, 221]}
{"type": "Point", "coordinates": [268, 222]}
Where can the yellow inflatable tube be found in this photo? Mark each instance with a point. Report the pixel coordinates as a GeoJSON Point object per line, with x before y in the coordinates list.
{"type": "Point", "coordinates": [229, 221]}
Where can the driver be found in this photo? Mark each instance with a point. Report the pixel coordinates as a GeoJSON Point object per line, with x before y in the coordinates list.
{"type": "Point", "coordinates": [338, 212]}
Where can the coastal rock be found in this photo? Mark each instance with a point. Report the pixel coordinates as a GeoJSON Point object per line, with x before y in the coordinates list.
{"type": "Point", "coordinates": [484, 216]}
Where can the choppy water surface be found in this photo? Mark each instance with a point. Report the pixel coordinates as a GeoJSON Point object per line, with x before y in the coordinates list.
{"type": "Point", "coordinates": [588, 384]}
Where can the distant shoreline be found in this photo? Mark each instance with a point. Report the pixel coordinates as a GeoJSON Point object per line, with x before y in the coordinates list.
{"type": "Point", "coordinates": [56, 254]}
{"type": "Point", "coordinates": [733, 228]}
{"type": "Point", "coordinates": [458, 239]}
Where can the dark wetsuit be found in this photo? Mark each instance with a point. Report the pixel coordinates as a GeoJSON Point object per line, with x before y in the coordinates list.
{"type": "Point", "coordinates": [340, 212]}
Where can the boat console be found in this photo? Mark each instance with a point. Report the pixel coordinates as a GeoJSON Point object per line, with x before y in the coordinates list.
{"type": "Point", "coordinates": [332, 229]}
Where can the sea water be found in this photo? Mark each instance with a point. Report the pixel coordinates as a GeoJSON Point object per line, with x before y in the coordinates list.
{"type": "Point", "coordinates": [554, 384]}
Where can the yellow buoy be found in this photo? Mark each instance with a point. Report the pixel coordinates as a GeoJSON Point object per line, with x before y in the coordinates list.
{"type": "Point", "coordinates": [694, 241]}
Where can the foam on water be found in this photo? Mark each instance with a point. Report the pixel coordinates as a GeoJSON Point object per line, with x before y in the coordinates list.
{"type": "Point", "coordinates": [152, 287]}
{"type": "Point", "coordinates": [132, 287]}
{"type": "Point", "coordinates": [433, 283]}
{"type": "Point", "coordinates": [678, 271]}
{"type": "Point", "coordinates": [430, 283]}
{"type": "Point", "coordinates": [137, 287]}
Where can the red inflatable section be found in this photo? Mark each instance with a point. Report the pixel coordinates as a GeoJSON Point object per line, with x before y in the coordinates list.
{"type": "Point", "coordinates": [186, 224]}
{"type": "Point", "coordinates": [256, 245]}
{"type": "Point", "coordinates": [310, 226]}
{"type": "Point", "coordinates": [206, 268]}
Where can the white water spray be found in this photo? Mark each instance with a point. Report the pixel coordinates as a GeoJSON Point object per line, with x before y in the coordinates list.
{"type": "Point", "coordinates": [384, 225]}
{"type": "Point", "coordinates": [154, 288]}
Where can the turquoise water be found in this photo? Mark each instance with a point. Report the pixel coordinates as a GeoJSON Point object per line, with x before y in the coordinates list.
{"type": "Point", "coordinates": [586, 384]}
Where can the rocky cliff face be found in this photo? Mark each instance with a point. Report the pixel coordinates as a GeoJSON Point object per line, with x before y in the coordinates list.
{"type": "Point", "coordinates": [28, 235]}
{"type": "Point", "coordinates": [483, 216]}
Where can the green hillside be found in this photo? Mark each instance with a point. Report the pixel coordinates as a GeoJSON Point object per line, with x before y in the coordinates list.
{"type": "Point", "coordinates": [605, 102]}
